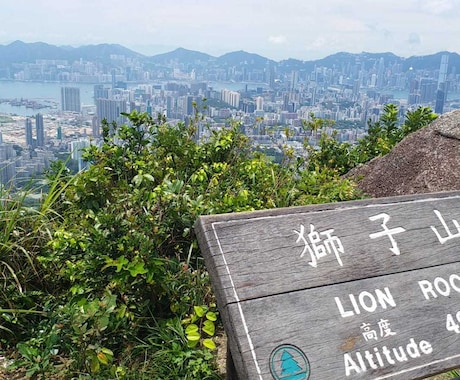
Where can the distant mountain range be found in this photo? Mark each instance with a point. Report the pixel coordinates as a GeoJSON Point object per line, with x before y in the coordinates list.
{"type": "Point", "coordinates": [21, 52]}
{"type": "Point", "coordinates": [18, 52]}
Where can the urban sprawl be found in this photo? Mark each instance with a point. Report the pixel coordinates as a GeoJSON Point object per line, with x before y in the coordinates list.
{"type": "Point", "coordinates": [268, 103]}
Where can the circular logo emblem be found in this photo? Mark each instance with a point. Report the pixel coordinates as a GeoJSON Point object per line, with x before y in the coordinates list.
{"type": "Point", "coordinates": [287, 362]}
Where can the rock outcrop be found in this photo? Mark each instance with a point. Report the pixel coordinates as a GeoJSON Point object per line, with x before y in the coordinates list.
{"type": "Point", "coordinates": [425, 161]}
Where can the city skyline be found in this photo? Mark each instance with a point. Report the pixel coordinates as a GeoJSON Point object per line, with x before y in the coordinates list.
{"type": "Point", "coordinates": [291, 29]}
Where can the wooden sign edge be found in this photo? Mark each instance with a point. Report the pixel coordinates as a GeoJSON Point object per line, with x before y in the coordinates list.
{"type": "Point", "coordinates": [205, 235]}
{"type": "Point", "coordinates": [205, 220]}
{"type": "Point", "coordinates": [209, 242]}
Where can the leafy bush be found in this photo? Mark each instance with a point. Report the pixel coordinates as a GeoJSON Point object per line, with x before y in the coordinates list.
{"type": "Point", "coordinates": [382, 136]}
{"type": "Point", "coordinates": [121, 288]}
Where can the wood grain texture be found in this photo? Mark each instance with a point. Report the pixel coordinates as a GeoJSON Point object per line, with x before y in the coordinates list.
{"type": "Point", "coordinates": [270, 296]}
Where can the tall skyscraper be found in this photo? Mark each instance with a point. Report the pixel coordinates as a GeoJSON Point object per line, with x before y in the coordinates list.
{"type": "Point", "coordinates": [169, 105]}
{"type": "Point", "coordinates": [441, 93]}
{"type": "Point", "coordinates": [114, 79]}
{"type": "Point", "coordinates": [40, 130]}
{"type": "Point", "coordinates": [381, 73]}
{"type": "Point", "coordinates": [149, 108]}
{"type": "Point", "coordinates": [110, 110]}
{"type": "Point", "coordinates": [414, 91]}
{"type": "Point", "coordinates": [95, 127]}
{"type": "Point", "coordinates": [77, 148]}
{"type": "Point", "coordinates": [259, 103]}
{"type": "Point", "coordinates": [294, 80]}
{"type": "Point", "coordinates": [189, 110]}
{"type": "Point", "coordinates": [70, 99]}
{"type": "Point", "coordinates": [29, 137]}
{"type": "Point", "coordinates": [100, 92]}
{"type": "Point", "coordinates": [231, 97]}
{"type": "Point", "coordinates": [8, 161]}
{"type": "Point", "coordinates": [428, 88]}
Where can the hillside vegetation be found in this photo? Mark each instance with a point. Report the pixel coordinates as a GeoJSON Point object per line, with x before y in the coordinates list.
{"type": "Point", "coordinates": [104, 278]}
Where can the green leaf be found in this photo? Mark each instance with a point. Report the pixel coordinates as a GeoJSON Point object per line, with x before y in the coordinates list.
{"type": "Point", "coordinates": [193, 336]}
{"type": "Point", "coordinates": [209, 343]}
{"type": "Point", "coordinates": [211, 316]}
{"type": "Point", "coordinates": [102, 358]}
{"type": "Point", "coordinates": [107, 351]}
{"type": "Point", "coordinates": [200, 310]}
{"type": "Point", "coordinates": [95, 366]}
{"type": "Point", "coordinates": [28, 352]}
{"type": "Point", "coordinates": [103, 322]}
{"type": "Point", "coordinates": [119, 263]}
{"type": "Point", "coordinates": [191, 329]}
{"type": "Point", "coordinates": [149, 177]}
{"type": "Point", "coordinates": [136, 269]}
{"type": "Point", "coordinates": [192, 343]}
{"type": "Point", "coordinates": [209, 328]}
{"type": "Point", "coordinates": [121, 311]}
{"type": "Point", "coordinates": [192, 332]}
{"type": "Point", "coordinates": [138, 179]}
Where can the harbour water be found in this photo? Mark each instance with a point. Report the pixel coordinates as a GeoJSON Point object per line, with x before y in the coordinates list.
{"type": "Point", "coordinates": [49, 92]}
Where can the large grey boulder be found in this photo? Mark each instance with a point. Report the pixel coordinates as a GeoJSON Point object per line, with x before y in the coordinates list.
{"type": "Point", "coordinates": [425, 161]}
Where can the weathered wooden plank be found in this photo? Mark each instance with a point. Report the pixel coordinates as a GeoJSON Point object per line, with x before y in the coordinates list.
{"type": "Point", "coordinates": [261, 254]}
{"type": "Point", "coordinates": [288, 283]}
{"type": "Point", "coordinates": [312, 321]}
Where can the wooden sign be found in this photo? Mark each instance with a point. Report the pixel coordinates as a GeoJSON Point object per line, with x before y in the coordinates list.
{"type": "Point", "coordinates": [353, 290]}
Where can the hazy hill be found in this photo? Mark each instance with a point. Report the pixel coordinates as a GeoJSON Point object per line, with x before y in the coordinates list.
{"type": "Point", "coordinates": [294, 64]}
{"type": "Point", "coordinates": [365, 58]}
{"type": "Point", "coordinates": [18, 52]}
{"type": "Point", "coordinates": [242, 57]}
{"type": "Point", "coordinates": [102, 52]}
{"type": "Point", "coordinates": [340, 60]}
{"type": "Point", "coordinates": [181, 55]}
{"type": "Point", "coordinates": [431, 62]}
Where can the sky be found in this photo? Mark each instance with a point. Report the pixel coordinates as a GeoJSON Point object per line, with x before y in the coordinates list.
{"type": "Point", "coordinates": [277, 29]}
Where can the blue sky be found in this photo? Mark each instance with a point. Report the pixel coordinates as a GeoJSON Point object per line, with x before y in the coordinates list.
{"type": "Point", "coordinates": [302, 29]}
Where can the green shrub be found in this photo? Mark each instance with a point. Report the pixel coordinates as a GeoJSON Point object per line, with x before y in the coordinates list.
{"type": "Point", "coordinates": [121, 286]}
{"type": "Point", "coordinates": [381, 137]}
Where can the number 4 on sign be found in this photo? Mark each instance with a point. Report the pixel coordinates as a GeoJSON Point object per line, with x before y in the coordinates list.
{"type": "Point", "coordinates": [451, 324]}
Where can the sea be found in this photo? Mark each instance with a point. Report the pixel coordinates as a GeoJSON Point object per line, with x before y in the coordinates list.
{"type": "Point", "coordinates": [49, 92]}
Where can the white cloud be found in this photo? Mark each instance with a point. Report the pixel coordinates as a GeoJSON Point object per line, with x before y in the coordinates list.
{"type": "Point", "coordinates": [414, 39]}
{"type": "Point", "coordinates": [319, 42]}
{"type": "Point", "coordinates": [292, 28]}
{"type": "Point", "coordinates": [437, 7]}
{"type": "Point", "coordinates": [277, 40]}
